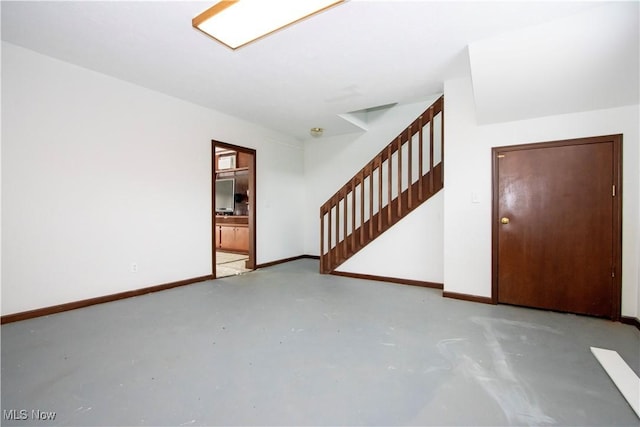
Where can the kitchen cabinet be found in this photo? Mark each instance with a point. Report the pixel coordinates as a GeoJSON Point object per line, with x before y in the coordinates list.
{"type": "Point", "coordinates": [232, 237]}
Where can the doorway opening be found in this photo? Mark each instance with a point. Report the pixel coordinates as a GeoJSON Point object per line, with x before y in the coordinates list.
{"type": "Point", "coordinates": [557, 225]}
{"type": "Point", "coordinates": [233, 201]}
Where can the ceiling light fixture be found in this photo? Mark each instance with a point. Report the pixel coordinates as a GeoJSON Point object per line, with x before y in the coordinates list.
{"type": "Point", "coordinates": [238, 22]}
{"type": "Point", "coordinates": [316, 132]}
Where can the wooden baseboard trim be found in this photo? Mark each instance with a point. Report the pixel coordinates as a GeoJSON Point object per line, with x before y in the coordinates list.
{"type": "Point", "coordinates": [628, 320]}
{"type": "Point", "coordinates": [46, 311]}
{"type": "Point", "coordinates": [389, 279]}
{"type": "Point", "coordinates": [467, 297]}
{"type": "Point", "coordinates": [282, 261]}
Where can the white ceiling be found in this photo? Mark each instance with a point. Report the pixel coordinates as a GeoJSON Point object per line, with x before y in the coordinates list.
{"type": "Point", "coordinates": [355, 56]}
{"type": "Point", "coordinates": [587, 61]}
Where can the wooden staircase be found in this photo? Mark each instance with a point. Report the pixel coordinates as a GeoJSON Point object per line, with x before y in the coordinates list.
{"type": "Point", "coordinates": [405, 174]}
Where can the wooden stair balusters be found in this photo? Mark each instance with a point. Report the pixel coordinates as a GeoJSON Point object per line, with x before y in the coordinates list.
{"type": "Point", "coordinates": [366, 225]}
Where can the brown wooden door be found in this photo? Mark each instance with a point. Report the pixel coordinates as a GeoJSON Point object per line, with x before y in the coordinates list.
{"type": "Point", "coordinates": [557, 226]}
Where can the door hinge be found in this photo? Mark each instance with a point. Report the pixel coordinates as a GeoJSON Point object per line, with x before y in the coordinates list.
{"type": "Point", "coordinates": [613, 190]}
{"type": "Point", "coordinates": [613, 272]}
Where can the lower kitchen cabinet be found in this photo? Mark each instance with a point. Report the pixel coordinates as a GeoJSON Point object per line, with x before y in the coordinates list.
{"type": "Point", "coordinates": [232, 237]}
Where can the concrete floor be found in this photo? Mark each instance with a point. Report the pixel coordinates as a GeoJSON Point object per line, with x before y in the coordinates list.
{"type": "Point", "coordinates": [287, 346]}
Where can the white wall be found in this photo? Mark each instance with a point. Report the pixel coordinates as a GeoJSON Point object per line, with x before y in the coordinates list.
{"type": "Point", "coordinates": [98, 173]}
{"type": "Point", "coordinates": [467, 225]}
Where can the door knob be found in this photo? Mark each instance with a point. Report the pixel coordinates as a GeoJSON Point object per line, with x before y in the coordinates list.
{"type": "Point", "coordinates": [504, 220]}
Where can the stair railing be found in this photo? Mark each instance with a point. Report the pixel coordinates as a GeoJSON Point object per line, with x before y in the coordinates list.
{"type": "Point", "coordinates": [390, 186]}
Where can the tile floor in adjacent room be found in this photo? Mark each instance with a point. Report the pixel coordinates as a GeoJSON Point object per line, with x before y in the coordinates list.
{"type": "Point", "coordinates": [287, 346]}
{"type": "Point", "coordinates": [230, 264]}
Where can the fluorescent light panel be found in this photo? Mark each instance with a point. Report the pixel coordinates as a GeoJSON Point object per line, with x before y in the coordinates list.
{"type": "Point", "coordinates": [238, 22]}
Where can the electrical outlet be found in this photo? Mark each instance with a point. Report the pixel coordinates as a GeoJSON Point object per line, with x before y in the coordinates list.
{"type": "Point", "coordinates": [134, 267]}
